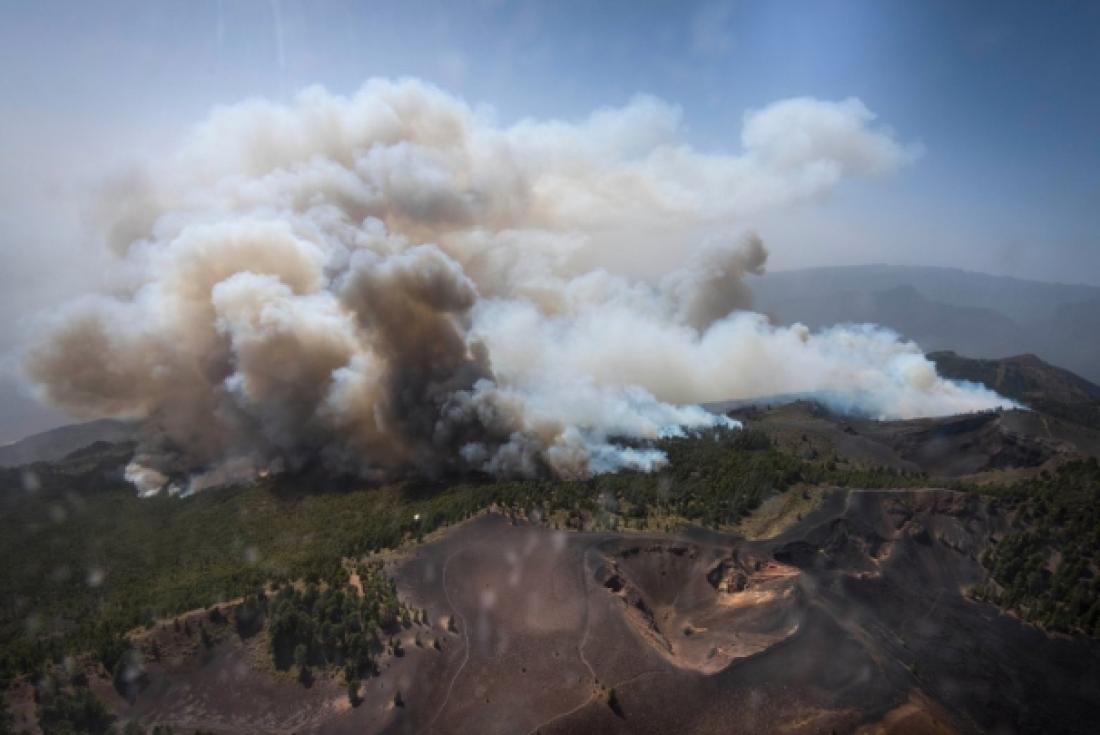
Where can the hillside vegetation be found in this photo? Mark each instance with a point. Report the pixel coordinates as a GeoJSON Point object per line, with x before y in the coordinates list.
{"type": "Point", "coordinates": [1047, 567]}
{"type": "Point", "coordinates": [1032, 382]}
{"type": "Point", "coordinates": [95, 561]}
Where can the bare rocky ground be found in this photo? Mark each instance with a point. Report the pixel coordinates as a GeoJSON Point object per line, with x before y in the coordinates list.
{"type": "Point", "coordinates": [853, 619]}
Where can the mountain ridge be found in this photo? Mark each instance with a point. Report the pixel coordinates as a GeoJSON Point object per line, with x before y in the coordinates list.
{"type": "Point", "coordinates": [973, 313]}
{"type": "Point", "coordinates": [57, 443]}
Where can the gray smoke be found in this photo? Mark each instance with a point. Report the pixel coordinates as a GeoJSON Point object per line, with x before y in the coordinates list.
{"type": "Point", "coordinates": [393, 282]}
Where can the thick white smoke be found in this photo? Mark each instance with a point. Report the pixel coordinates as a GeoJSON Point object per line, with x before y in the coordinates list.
{"type": "Point", "coordinates": [392, 282]}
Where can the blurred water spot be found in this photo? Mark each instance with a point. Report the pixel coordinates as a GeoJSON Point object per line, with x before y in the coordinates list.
{"type": "Point", "coordinates": [483, 631]}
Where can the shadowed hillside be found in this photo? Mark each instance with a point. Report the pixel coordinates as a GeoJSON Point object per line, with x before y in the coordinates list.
{"type": "Point", "coordinates": [56, 443]}
{"type": "Point", "coordinates": [813, 572]}
{"type": "Point", "coordinates": [1031, 381]}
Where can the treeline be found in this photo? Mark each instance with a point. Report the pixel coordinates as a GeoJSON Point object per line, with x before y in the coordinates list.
{"type": "Point", "coordinates": [336, 627]}
{"type": "Point", "coordinates": [90, 561]}
{"type": "Point", "coordinates": [1046, 567]}
{"type": "Point", "coordinates": [345, 622]}
{"type": "Point", "coordinates": [70, 708]}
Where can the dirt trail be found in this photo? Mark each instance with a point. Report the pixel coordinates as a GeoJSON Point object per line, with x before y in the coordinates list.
{"type": "Point", "coordinates": [866, 627]}
{"type": "Point", "coordinates": [465, 641]}
{"type": "Point", "coordinates": [586, 577]}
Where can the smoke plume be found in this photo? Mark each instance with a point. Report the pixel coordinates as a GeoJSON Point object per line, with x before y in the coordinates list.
{"type": "Point", "coordinates": [395, 283]}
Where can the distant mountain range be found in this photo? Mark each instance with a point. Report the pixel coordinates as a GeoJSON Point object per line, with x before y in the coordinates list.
{"type": "Point", "coordinates": [943, 310]}
{"type": "Point", "coordinates": [55, 444]}
{"type": "Point", "coordinates": [973, 314]}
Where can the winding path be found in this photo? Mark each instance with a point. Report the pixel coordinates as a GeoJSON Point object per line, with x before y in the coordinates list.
{"type": "Point", "coordinates": [465, 639]}
{"type": "Point", "coordinates": [580, 645]}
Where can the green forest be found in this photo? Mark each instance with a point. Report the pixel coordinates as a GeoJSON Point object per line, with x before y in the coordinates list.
{"type": "Point", "coordinates": [1045, 568]}
{"type": "Point", "coordinates": [97, 562]}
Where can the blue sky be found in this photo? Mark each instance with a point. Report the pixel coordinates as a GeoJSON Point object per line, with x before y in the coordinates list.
{"type": "Point", "coordinates": [1003, 97]}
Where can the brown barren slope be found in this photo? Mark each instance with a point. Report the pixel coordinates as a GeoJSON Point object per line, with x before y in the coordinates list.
{"type": "Point", "coordinates": [853, 618]}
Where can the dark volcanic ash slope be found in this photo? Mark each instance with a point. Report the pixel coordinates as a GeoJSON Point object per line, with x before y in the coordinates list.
{"type": "Point", "coordinates": [855, 618]}
{"type": "Point", "coordinates": [1031, 381]}
{"type": "Point", "coordinates": [952, 446]}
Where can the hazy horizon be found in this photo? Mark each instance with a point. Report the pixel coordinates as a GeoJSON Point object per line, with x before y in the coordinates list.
{"type": "Point", "coordinates": [994, 170]}
{"type": "Point", "coordinates": [550, 366]}
{"type": "Point", "coordinates": [46, 419]}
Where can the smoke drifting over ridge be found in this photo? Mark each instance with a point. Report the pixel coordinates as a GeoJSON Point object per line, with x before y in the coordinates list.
{"type": "Point", "coordinates": [393, 282]}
